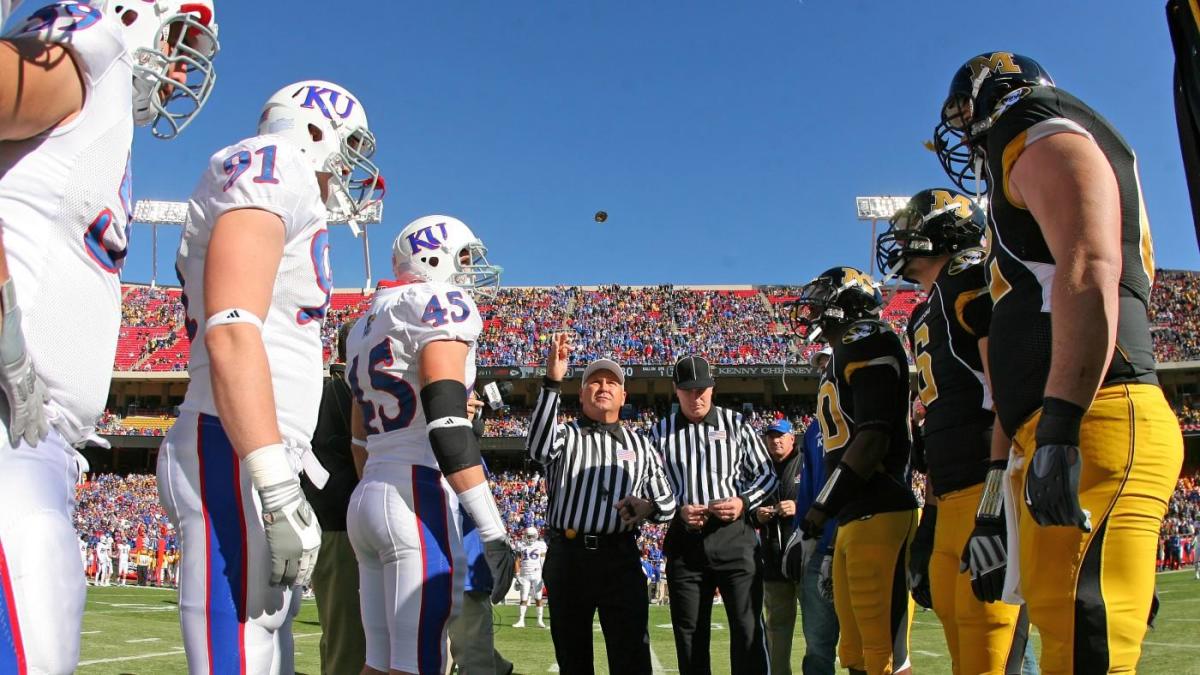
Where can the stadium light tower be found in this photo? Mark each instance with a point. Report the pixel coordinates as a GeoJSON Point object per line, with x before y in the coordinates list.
{"type": "Point", "coordinates": [876, 208]}
{"type": "Point", "coordinates": [155, 213]}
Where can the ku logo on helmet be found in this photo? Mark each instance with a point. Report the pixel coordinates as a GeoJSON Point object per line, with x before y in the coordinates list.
{"type": "Point", "coordinates": [326, 100]}
{"type": "Point", "coordinates": [426, 239]}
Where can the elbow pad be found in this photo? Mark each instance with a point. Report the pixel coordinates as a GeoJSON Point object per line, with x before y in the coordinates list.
{"type": "Point", "coordinates": [451, 434]}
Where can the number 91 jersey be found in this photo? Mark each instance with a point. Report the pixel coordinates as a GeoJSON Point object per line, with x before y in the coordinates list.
{"type": "Point", "coordinates": [383, 370]}
{"type": "Point", "coordinates": [271, 174]}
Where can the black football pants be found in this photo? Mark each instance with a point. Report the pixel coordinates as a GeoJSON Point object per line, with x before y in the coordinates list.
{"type": "Point", "coordinates": [720, 557]}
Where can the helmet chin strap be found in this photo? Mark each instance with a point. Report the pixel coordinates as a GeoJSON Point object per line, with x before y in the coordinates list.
{"type": "Point", "coordinates": [978, 172]}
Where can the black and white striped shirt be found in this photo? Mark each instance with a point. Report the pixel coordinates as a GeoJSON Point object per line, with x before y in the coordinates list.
{"type": "Point", "coordinates": [719, 457]}
{"type": "Point", "coordinates": [591, 466]}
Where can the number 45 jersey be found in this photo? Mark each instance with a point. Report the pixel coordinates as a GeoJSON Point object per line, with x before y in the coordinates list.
{"type": "Point", "coordinates": [271, 174]}
{"type": "Point", "coordinates": [383, 367]}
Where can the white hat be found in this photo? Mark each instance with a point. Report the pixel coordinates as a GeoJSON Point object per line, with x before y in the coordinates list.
{"type": "Point", "coordinates": [826, 350]}
{"type": "Point", "coordinates": [605, 364]}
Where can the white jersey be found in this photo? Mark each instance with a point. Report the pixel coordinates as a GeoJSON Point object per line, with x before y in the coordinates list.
{"type": "Point", "coordinates": [268, 173]}
{"type": "Point", "coordinates": [123, 553]}
{"type": "Point", "coordinates": [65, 207]}
{"type": "Point", "coordinates": [383, 352]}
{"type": "Point", "coordinates": [531, 557]}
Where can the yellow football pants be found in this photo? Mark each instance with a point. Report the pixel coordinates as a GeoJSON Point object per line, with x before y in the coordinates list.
{"type": "Point", "coordinates": [1089, 594]}
{"type": "Point", "coordinates": [981, 636]}
{"type": "Point", "coordinates": [870, 595]}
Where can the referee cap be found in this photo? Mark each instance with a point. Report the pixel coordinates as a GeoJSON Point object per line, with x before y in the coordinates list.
{"type": "Point", "coordinates": [604, 364]}
{"type": "Point", "coordinates": [692, 372]}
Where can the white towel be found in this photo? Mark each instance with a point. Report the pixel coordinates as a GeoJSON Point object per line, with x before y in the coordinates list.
{"type": "Point", "coordinates": [1012, 572]}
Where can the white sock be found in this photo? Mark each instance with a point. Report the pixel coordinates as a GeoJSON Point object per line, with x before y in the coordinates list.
{"type": "Point", "coordinates": [524, 608]}
{"type": "Point", "coordinates": [540, 608]}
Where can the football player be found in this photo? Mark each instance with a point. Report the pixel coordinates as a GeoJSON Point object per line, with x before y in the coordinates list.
{"type": "Point", "coordinates": [862, 407]}
{"type": "Point", "coordinates": [1095, 446]}
{"type": "Point", "coordinates": [412, 362]}
{"type": "Point", "coordinates": [72, 75]}
{"type": "Point", "coordinates": [254, 265]}
{"type": "Point", "coordinates": [531, 555]}
{"type": "Point", "coordinates": [935, 242]}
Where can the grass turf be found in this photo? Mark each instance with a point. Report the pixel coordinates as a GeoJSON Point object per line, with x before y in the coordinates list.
{"type": "Point", "coordinates": [136, 630]}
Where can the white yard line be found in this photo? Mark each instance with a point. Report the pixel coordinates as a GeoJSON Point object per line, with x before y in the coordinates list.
{"type": "Point", "coordinates": [1176, 645]}
{"type": "Point", "coordinates": [656, 665]}
{"type": "Point", "coordinates": [925, 653]}
{"type": "Point", "coordinates": [95, 662]}
{"type": "Point", "coordinates": [553, 668]}
{"type": "Point", "coordinates": [135, 641]}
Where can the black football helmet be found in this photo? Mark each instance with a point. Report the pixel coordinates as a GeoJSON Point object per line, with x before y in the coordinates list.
{"type": "Point", "coordinates": [839, 296]}
{"type": "Point", "coordinates": [938, 221]}
{"type": "Point", "coordinates": [972, 106]}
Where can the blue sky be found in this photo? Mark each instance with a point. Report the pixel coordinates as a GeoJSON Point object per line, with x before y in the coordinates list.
{"type": "Point", "coordinates": [726, 140]}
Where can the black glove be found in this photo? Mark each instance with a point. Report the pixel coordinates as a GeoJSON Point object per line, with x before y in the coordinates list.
{"type": "Point", "coordinates": [1052, 481]}
{"type": "Point", "coordinates": [919, 554]}
{"type": "Point", "coordinates": [985, 555]}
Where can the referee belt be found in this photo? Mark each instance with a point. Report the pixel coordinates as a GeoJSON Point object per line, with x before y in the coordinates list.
{"type": "Point", "coordinates": [591, 542]}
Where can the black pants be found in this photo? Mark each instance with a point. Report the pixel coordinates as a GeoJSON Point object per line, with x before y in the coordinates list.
{"type": "Point", "coordinates": [722, 556]}
{"type": "Point", "coordinates": [609, 578]}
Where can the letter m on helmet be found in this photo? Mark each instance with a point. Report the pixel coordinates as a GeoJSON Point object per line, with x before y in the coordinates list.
{"type": "Point", "coordinates": [997, 62]}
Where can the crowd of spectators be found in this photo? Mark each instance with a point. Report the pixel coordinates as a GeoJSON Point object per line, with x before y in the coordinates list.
{"type": "Point", "coordinates": [1175, 315]}
{"type": "Point", "coordinates": [634, 325]}
{"type": "Point", "coordinates": [1177, 541]}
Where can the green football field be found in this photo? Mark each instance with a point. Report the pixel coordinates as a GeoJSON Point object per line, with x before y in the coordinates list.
{"type": "Point", "coordinates": [136, 630]}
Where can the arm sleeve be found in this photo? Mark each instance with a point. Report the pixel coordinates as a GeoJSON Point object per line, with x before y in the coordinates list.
{"type": "Point", "coordinates": [546, 438]}
{"type": "Point", "coordinates": [757, 475]}
{"type": "Point", "coordinates": [655, 487]}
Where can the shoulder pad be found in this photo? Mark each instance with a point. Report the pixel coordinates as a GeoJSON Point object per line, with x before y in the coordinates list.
{"type": "Point", "coordinates": [965, 260]}
{"type": "Point", "coordinates": [861, 330]}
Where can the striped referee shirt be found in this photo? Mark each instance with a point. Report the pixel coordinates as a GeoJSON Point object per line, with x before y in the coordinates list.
{"type": "Point", "coordinates": [719, 457]}
{"type": "Point", "coordinates": [591, 466]}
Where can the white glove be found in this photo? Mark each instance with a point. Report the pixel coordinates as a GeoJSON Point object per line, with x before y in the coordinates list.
{"type": "Point", "coordinates": [22, 387]}
{"type": "Point", "coordinates": [293, 535]}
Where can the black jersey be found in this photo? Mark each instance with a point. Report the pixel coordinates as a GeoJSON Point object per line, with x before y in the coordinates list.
{"type": "Point", "coordinates": [1021, 269]}
{"type": "Point", "coordinates": [944, 333]}
{"type": "Point", "coordinates": [867, 344]}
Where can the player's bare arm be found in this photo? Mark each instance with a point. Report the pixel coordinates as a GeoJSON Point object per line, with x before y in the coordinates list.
{"type": "Point", "coordinates": [239, 273]}
{"type": "Point", "coordinates": [1069, 187]}
{"type": "Point", "coordinates": [40, 87]}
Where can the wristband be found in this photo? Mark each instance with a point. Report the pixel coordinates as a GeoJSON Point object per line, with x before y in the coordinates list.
{"type": "Point", "coordinates": [1059, 423]}
{"type": "Point", "coordinates": [269, 466]}
{"type": "Point", "coordinates": [991, 503]}
{"type": "Point", "coordinates": [479, 503]}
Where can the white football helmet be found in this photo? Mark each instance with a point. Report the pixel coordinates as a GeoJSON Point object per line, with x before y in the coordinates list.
{"type": "Point", "coordinates": [441, 248]}
{"type": "Point", "coordinates": [344, 144]}
{"type": "Point", "coordinates": [531, 534]}
{"type": "Point", "coordinates": [187, 30]}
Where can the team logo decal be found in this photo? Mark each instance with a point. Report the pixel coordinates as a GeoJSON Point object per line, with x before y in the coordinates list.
{"type": "Point", "coordinates": [967, 259]}
{"type": "Point", "coordinates": [859, 331]}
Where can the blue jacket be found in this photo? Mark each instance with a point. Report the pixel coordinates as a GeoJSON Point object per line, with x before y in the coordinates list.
{"type": "Point", "coordinates": [812, 479]}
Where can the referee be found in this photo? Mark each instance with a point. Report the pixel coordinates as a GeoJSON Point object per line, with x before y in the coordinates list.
{"type": "Point", "coordinates": [720, 473]}
{"type": "Point", "coordinates": [602, 481]}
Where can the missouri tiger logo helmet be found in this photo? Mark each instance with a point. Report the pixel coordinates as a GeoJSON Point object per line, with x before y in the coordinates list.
{"type": "Point", "coordinates": [838, 296]}
{"type": "Point", "coordinates": [977, 91]}
{"type": "Point", "coordinates": [935, 222]}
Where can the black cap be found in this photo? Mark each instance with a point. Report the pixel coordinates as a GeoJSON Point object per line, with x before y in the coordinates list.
{"type": "Point", "coordinates": [691, 372]}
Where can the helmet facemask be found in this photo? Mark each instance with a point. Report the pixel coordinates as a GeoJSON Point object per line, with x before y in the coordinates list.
{"type": "Point", "coordinates": [956, 144]}
{"type": "Point", "coordinates": [356, 182]}
{"type": "Point", "coordinates": [475, 272]}
{"type": "Point", "coordinates": [813, 308]}
{"type": "Point", "coordinates": [167, 105]}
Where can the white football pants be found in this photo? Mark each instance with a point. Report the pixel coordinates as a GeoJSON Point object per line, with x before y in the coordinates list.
{"type": "Point", "coordinates": [233, 620]}
{"type": "Point", "coordinates": [403, 523]}
{"type": "Point", "coordinates": [42, 582]}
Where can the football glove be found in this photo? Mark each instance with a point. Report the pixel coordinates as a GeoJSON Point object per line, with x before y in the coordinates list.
{"type": "Point", "coordinates": [825, 578]}
{"type": "Point", "coordinates": [24, 390]}
{"type": "Point", "coordinates": [1052, 482]}
{"type": "Point", "coordinates": [293, 535]}
{"type": "Point", "coordinates": [919, 554]}
{"type": "Point", "coordinates": [985, 556]}
{"type": "Point", "coordinates": [501, 561]}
